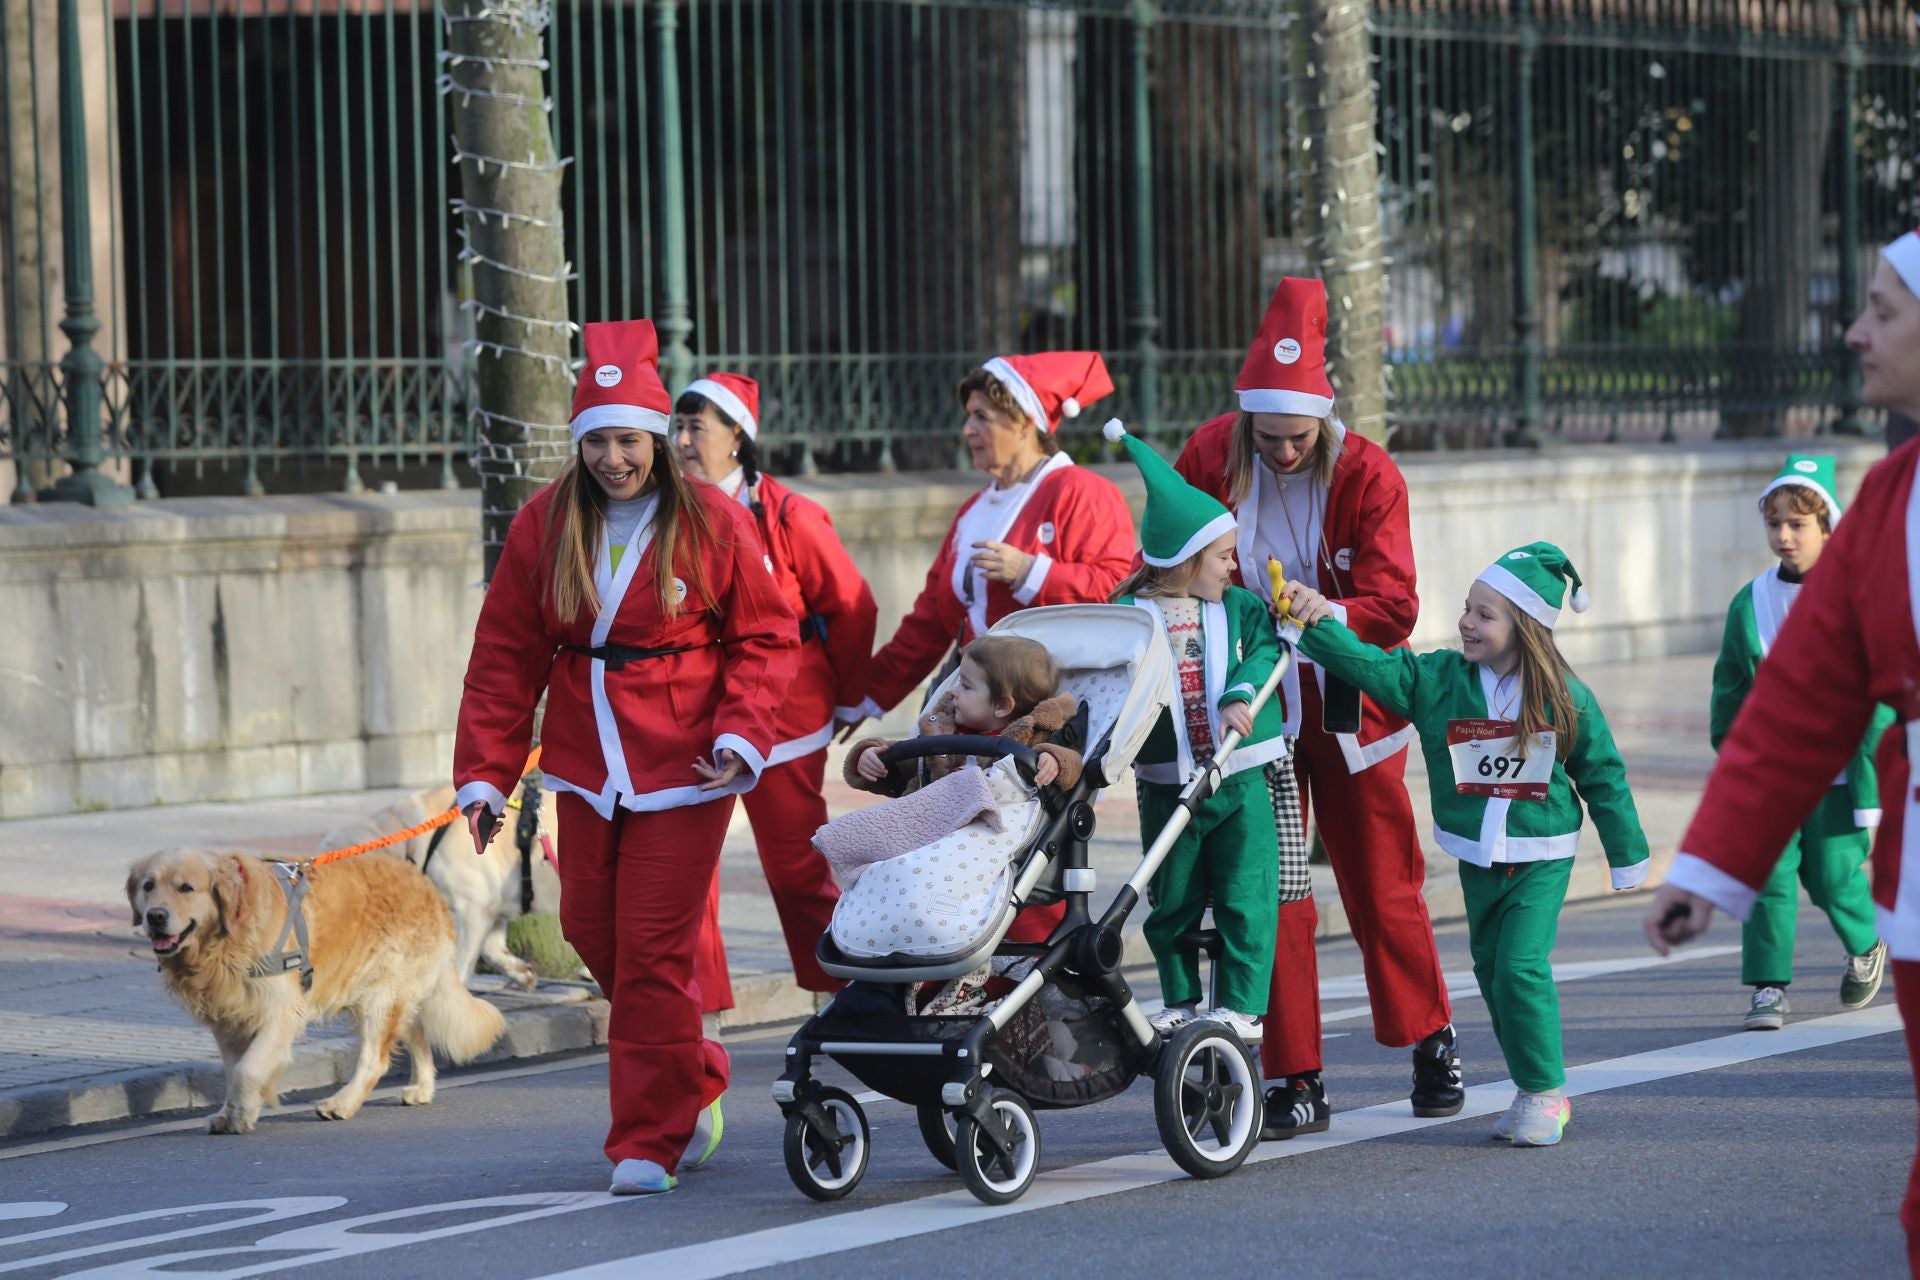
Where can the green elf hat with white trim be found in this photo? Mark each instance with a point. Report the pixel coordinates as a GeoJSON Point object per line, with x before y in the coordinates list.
{"type": "Point", "coordinates": [1180, 521]}
{"type": "Point", "coordinates": [1810, 471]}
{"type": "Point", "coordinates": [1536, 577]}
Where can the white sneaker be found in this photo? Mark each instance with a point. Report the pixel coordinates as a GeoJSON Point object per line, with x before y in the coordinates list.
{"type": "Point", "coordinates": [641, 1178]}
{"type": "Point", "coordinates": [1540, 1118]}
{"type": "Point", "coordinates": [1173, 1017]}
{"type": "Point", "coordinates": [1244, 1025]}
{"type": "Point", "coordinates": [1503, 1128]}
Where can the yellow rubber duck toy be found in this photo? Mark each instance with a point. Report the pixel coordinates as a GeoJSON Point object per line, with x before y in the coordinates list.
{"type": "Point", "coordinates": [1278, 577]}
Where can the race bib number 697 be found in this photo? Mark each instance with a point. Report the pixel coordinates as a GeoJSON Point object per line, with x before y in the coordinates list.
{"type": "Point", "coordinates": [1487, 761]}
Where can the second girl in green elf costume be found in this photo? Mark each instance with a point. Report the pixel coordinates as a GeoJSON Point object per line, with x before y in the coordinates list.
{"type": "Point", "coordinates": [1829, 853]}
{"type": "Point", "coordinates": [1514, 744]}
{"type": "Point", "coordinates": [1224, 648]}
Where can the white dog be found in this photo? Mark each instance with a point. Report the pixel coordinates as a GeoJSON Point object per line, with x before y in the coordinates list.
{"type": "Point", "coordinates": [483, 893]}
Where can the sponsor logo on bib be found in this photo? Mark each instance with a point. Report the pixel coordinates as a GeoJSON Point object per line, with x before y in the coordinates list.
{"type": "Point", "coordinates": [607, 375]}
{"type": "Point", "coordinates": [1046, 533]}
{"type": "Point", "coordinates": [1286, 351]}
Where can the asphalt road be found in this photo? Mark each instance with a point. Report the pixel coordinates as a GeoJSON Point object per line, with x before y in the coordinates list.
{"type": "Point", "coordinates": [1695, 1149]}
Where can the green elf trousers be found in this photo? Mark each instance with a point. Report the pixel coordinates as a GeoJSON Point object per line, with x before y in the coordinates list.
{"type": "Point", "coordinates": [1228, 855]}
{"type": "Point", "coordinates": [1826, 855]}
{"type": "Point", "coordinates": [1513, 917]}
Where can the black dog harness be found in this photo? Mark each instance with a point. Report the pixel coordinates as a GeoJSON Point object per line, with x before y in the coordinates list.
{"type": "Point", "coordinates": [293, 882]}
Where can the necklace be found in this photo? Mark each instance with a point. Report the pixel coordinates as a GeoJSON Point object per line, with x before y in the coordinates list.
{"type": "Point", "coordinates": [1302, 550]}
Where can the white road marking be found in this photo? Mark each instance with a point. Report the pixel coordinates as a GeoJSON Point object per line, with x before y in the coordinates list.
{"type": "Point", "coordinates": [31, 1209]}
{"type": "Point", "coordinates": [263, 1211]}
{"type": "Point", "coordinates": [1462, 986]}
{"type": "Point", "coordinates": [597, 1058]}
{"type": "Point", "coordinates": [840, 1232]}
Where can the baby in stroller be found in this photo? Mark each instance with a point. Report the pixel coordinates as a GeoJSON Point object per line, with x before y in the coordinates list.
{"type": "Point", "coordinates": [939, 853]}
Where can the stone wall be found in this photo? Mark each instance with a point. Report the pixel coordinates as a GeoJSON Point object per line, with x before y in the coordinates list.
{"type": "Point", "coordinates": [226, 648]}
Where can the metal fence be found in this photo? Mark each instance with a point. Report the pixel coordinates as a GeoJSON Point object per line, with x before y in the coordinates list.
{"type": "Point", "coordinates": [1615, 219]}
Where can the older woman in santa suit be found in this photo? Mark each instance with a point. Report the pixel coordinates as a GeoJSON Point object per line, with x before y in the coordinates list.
{"type": "Point", "coordinates": [716, 430]}
{"type": "Point", "coordinates": [1044, 532]}
{"type": "Point", "coordinates": [640, 603]}
{"type": "Point", "coordinates": [1332, 509]}
{"type": "Point", "coordinates": [1851, 643]}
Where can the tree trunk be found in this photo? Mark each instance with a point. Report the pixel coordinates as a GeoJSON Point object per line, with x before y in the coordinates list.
{"type": "Point", "coordinates": [1795, 123]}
{"type": "Point", "coordinates": [1333, 101]}
{"type": "Point", "coordinates": [516, 255]}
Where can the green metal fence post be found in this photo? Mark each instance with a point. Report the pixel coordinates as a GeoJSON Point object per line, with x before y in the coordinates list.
{"type": "Point", "coordinates": [1852, 422]}
{"type": "Point", "coordinates": [1526, 321]}
{"type": "Point", "coordinates": [676, 318]}
{"type": "Point", "coordinates": [1143, 320]}
{"type": "Point", "coordinates": [82, 365]}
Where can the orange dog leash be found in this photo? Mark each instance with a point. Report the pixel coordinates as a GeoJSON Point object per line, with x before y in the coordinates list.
{"type": "Point", "coordinates": [438, 820]}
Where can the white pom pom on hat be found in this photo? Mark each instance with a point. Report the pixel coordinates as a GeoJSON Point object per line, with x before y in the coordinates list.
{"type": "Point", "coordinates": [1580, 600]}
{"type": "Point", "coordinates": [1113, 430]}
{"type": "Point", "coordinates": [1070, 407]}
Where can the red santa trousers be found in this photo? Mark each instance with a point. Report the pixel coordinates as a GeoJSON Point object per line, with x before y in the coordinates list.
{"type": "Point", "coordinates": [1366, 820]}
{"type": "Point", "coordinates": [786, 807]}
{"type": "Point", "coordinates": [1906, 992]}
{"type": "Point", "coordinates": [634, 896]}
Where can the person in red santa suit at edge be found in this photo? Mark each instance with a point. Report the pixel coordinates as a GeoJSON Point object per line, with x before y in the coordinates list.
{"type": "Point", "coordinates": [1851, 642]}
{"type": "Point", "coordinates": [716, 430]}
{"type": "Point", "coordinates": [640, 603]}
{"type": "Point", "coordinates": [1331, 507]}
{"type": "Point", "coordinates": [1044, 532]}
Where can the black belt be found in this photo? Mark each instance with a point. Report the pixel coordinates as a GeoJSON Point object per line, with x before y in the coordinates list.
{"type": "Point", "coordinates": [617, 656]}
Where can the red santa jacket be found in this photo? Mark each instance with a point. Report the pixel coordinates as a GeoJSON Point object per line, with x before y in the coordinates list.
{"type": "Point", "coordinates": [1366, 558]}
{"type": "Point", "coordinates": [1078, 527]}
{"type": "Point", "coordinates": [1848, 644]}
{"type": "Point", "coordinates": [825, 591]}
{"type": "Point", "coordinates": [626, 736]}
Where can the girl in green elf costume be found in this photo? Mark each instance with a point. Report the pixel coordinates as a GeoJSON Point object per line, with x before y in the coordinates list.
{"type": "Point", "coordinates": [1224, 648]}
{"type": "Point", "coordinates": [1513, 745]}
{"type": "Point", "coordinates": [1828, 854]}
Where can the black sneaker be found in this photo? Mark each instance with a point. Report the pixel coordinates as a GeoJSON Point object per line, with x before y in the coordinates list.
{"type": "Point", "coordinates": [1437, 1090]}
{"type": "Point", "coordinates": [1297, 1106]}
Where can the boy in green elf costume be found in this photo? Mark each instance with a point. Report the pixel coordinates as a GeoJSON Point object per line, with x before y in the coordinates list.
{"type": "Point", "coordinates": [1828, 854]}
{"type": "Point", "coordinates": [1224, 648]}
{"type": "Point", "coordinates": [1514, 744]}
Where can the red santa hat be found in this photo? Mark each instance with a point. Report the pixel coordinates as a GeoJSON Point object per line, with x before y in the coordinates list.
{"type": "Point", "coordinates": [620, 383]}
{"type": "Point", "coordinates": [1052, 385]}
{"type": "Point", "coordinates": [1904, 256]}
{"type": "Point", "coordinates": [1286, 370]}
{"type": "Point", "coordinates": [733, 394]}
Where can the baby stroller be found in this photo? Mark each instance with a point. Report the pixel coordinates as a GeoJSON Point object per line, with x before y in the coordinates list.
{"type": "Point", "coordinates": [1069, 1033]}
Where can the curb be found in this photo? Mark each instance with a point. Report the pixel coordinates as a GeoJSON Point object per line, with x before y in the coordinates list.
{"type": "Point", "coordinates": [540, 1026]}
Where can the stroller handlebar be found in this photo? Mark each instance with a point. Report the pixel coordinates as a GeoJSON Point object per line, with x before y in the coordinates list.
{"type": "Point", "coordinates": [963, 744]}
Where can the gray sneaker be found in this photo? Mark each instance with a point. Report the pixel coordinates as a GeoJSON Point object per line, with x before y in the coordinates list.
{"type": "Point", "coordinates": [1861, 982]}
{"type": "Point", "coordinates": [1768, 1012]}
{"type": "Point", "coordinates": [1503, 1128]}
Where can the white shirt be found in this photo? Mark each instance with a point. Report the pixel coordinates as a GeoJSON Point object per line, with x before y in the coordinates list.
{"type": "Point", "coordinates": [1295, 545]}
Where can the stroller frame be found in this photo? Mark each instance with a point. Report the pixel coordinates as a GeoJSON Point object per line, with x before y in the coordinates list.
{"type": "Point", "coordinates": [827, 1147]}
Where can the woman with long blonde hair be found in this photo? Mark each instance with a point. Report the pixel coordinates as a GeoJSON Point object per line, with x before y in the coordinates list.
{"type": "Point", "coordinates": [639, 603]}
{"type": "Point", "coordinates": [1331, 507]}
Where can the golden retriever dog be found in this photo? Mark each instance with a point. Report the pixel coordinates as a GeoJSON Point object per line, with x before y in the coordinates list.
{"type": "Point", "coordinates": [483, 892]}
{"type": "Point", "coordinates": [380, 941]}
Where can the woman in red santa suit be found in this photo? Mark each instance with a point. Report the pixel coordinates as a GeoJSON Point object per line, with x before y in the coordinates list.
{"type": "Point", "coordinates": [716, 429]}
{"type": "Point", "coordinates": [639, 602]}
{"type": "Point", "coordinates": [1044, 532]}
{"type": "Point", "coordinates": [1332, 509]}
{"type": "Point", "coordinates": [1852, 642]}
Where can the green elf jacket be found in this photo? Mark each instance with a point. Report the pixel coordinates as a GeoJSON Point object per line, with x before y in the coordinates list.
{"type": "Point", "coordinates": [1753, 620]}
{"type": "Point", "coordinates": [1445, 696]}
{"type": "Point", "coordinates": [1241, 650]}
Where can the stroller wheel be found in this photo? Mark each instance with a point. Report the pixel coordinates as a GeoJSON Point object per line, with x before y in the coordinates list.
{"type": "Point", "coordinates": [937, 1132]}
{"type": "Point", "coordinates": [826, 1162]}
{"type": "Point", "coordinates": [1206, 1100]}
{"type": "Point", "coordinates": [998, 1167]}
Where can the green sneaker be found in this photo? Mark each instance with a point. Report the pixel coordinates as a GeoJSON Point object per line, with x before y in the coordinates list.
{"type": "Point", "coordinates": [706, 1137]}
{"type": "Point", "coordinates": [1861, 982]}
{"type": "Point", "coordinates": [1768, 1012]}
